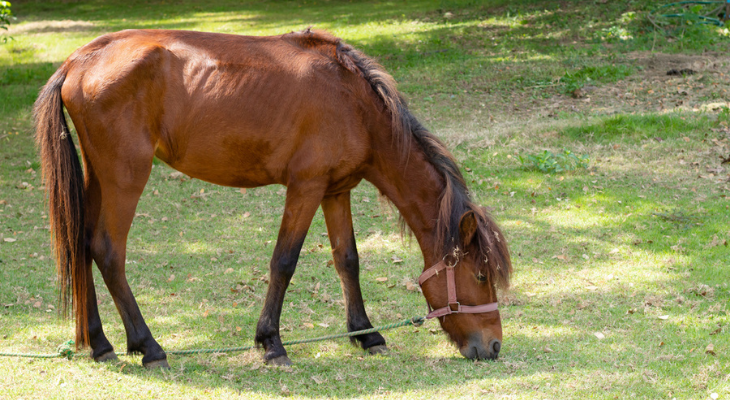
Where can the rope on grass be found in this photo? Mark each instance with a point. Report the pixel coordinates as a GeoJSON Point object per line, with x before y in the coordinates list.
{"type": "Point", "coordinates": [703, 19]}
{"type": "Point", "coordinates": [66, 351]}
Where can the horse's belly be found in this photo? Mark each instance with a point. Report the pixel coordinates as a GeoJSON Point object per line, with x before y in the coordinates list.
{"type": "Point", "coordinates": [223, 167]}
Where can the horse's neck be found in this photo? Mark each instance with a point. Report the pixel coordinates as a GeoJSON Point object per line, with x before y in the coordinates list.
{"type": "Point", "coordinates": [414, 186]}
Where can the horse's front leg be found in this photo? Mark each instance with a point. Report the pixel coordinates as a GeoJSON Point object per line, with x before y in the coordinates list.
{"type": "Point", "coordinates": [338, 217]}
{"type": "Point", "coordinates": [302, 200]}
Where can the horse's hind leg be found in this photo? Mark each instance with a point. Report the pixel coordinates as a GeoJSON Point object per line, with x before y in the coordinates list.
{"type": "Point", "coordinates": [101, 349]}
{"type": "Point", "coordinates": [338, 217]}
{"type": "Point", "coordinates": [117, 201]}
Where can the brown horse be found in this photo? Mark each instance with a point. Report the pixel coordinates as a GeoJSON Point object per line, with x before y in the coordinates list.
{"type": "Point", "coordinates": [303, 110]}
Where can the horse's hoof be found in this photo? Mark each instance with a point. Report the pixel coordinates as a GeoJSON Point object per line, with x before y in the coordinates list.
{"type": "Point", "coordinates": [108, 356]}
{"type": "Point", "coordinates": [157, 364]}
{"type": "Point", "coordinates": [379, 349]}
{"type": "Point", "coordinates": [281, 361]}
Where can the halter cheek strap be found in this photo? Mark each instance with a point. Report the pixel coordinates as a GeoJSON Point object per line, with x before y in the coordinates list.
{"type": "Point", "coordinates": [453, 306]}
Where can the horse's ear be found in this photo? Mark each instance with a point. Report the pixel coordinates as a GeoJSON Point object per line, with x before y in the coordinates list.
{"type": "Point", "coordinates": [467, 227]}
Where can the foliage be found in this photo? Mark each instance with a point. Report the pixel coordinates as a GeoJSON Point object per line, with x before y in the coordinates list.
{"type": "Point", "coordinates": [549, 162]}
{"type": "Point", "coordinates": [5, 16]}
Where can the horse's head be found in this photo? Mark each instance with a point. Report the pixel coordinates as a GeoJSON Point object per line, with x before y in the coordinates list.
{"type": "Point", "coordinates": [462, 289]}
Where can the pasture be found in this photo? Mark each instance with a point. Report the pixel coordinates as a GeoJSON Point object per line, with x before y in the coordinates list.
{"type": "Point", "coordinates": [620, 285]}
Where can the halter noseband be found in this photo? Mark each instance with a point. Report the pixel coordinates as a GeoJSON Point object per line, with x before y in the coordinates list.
{"type": "Point", "coordinates": [453, 306]}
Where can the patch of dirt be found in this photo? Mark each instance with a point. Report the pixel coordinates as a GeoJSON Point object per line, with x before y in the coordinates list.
{"type": "Point", "coordinates": [51, 27]}
{"type": "Point", "coordinates": [650, 89]}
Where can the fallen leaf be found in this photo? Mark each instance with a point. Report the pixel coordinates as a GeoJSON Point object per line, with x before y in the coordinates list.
{"type": "Point", "coordinates": [228, 271]}
{"type": "Point", "coordinates": [411, 286]}
{"type": "Point", "coordinates": [324, 325]}
{"type": "Point", "coordinates": [246, 214]}
{"type": "Point", "coordinates": [37, 304]}
{"type": "Point", "coordinates": [381, 279]}
{"type": "Point", "coordinates": [614, 251]}
{"type": "Point", "coordinates": [205, 313]}
{"type": "Point", "coordinates": [308, 325]}
{"type": "Point", "coordinates": [317, 379]}
{"type": "Point", "coordinates": [591, 287]}
{"type": "Point", "coordinates": [599, 335]}
{"type": "Point", "coordinates": [547, 350]}
{"type": "Point", "coordinates": [663, 317]}
{"type": "Point", "coordinates": [242, 190]}
{"type": "Point", "coordinates": [9, 240]}
{"type": "Point", "coordinates": [171, 278]}
{"type": "Point", "coordinates": [710, 349]}
{"type": "Point", "coordinates": [396, 259]}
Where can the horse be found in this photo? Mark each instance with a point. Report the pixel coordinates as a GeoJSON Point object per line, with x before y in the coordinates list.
{"type": "Point", "coordinates": [304, 110]}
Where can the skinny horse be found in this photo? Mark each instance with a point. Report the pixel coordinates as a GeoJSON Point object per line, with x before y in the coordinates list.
{"type": "Point", "coordinates": [304, 110]}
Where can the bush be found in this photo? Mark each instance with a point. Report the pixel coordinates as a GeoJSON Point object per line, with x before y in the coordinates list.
{"type": "Point", "coordinates": [5, 17]}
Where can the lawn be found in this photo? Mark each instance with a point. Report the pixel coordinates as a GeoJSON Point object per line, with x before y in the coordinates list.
{"type": "Point", "coordinates": [621, 265]}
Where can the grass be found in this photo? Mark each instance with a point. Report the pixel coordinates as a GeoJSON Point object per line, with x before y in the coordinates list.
{"type": "Point", "coordinates": [631, 248]}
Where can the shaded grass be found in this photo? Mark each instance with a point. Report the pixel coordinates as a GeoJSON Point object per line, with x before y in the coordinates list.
{"type": "Point", "coordinates": [609, 249]}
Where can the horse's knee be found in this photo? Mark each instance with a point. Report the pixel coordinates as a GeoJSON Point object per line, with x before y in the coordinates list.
{"type": "Point", "coordinates": [284, 265]}
{"type": "Point", "coordinates": [347, 262]}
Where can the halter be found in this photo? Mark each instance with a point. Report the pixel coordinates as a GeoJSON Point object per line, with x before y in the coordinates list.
{"type": "Point", "coordinates": [453, 306]}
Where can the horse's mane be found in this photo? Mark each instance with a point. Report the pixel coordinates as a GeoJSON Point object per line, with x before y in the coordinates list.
{"type": "Point", "coordinates": [455, 200]}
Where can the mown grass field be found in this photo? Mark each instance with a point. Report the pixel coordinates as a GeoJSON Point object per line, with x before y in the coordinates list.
{"type": "Point", "coordinates": [621, 268]}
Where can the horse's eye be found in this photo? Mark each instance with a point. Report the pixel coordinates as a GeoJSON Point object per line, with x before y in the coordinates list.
{"type": "Point", "coordinates": [481, 278]}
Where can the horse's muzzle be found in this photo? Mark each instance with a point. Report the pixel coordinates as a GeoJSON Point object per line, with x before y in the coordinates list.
{"type": "Point", "coordinates": [475, 349]}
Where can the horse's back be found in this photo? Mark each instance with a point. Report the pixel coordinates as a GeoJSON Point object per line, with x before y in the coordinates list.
{"type": "Point", "coordinates": [234, 110]}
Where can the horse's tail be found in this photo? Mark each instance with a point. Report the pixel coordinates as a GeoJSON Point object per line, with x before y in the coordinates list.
{"type": "Point", "coordinates": [64, 182]}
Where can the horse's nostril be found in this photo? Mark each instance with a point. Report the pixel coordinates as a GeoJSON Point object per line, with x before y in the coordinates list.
{"type": "Point", "coordinates": [495, 345]}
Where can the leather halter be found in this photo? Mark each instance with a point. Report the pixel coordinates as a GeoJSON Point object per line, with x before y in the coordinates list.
{"type": "Point", "coordinates": [453, 306]}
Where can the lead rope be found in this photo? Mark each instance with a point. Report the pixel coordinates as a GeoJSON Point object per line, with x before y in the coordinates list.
{"type": "Point", "coordinates": [66, 349]}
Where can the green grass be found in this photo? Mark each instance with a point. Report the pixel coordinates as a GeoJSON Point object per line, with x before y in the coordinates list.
{"type": "Point", "coordinates": [613, 249]}
{"type": "Point", "coordinates": [633, 128]}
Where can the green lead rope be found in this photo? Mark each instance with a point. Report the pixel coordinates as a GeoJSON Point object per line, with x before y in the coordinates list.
{"type": "Point", "coordinates": [66, 350]}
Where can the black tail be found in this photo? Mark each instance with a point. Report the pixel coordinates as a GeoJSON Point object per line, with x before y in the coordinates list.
{"type": "Point", "coordinates": [64, 182]}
